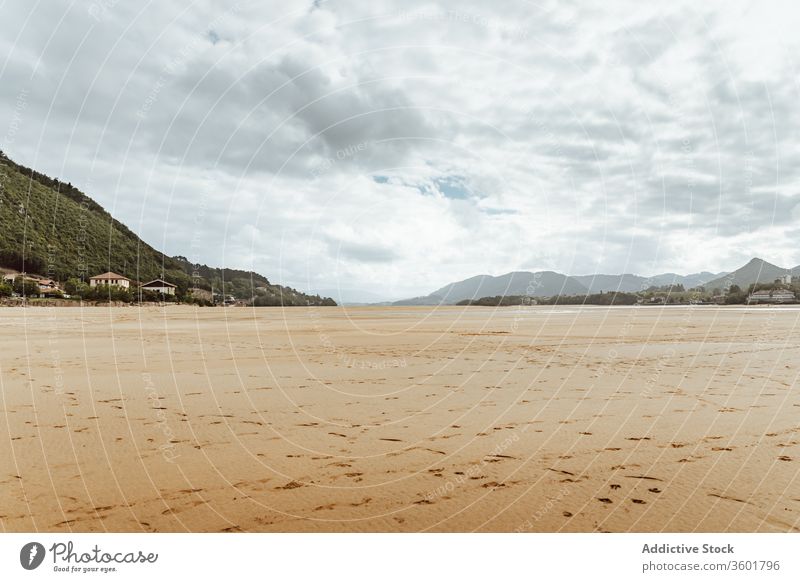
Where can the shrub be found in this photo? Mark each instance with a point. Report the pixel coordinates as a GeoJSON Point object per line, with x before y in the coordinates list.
{"type": "Point", "coordinates": [25, 287]}
{"type": "Point", "coordinates": [109, 293]}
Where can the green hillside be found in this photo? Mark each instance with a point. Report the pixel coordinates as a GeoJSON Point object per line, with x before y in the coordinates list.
{"type": "Point", "coordinates": [53, 229]}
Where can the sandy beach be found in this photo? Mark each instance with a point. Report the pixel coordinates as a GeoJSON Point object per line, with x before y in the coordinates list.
{"type": "Point", "coordinates": [400, 419]}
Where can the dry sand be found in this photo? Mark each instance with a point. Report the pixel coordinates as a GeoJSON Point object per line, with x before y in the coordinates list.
{"type": "Point", "coordinates": [400, 419]}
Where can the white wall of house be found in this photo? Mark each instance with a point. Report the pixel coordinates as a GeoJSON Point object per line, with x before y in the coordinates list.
{"type": "Point", "coordinates": [125, 283]}
{"type": "Point", "coordinates": [164, 290]}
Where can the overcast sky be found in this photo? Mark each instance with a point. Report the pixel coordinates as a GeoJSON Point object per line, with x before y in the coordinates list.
{"type": "Point", "coordinates": [397, 146]}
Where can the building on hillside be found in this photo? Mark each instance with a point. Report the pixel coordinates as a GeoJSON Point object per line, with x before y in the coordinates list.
{"type": "Point", "coordinates": [110, 278]}
{"type": "Point", "coordinates": [11, 278]}
{"type": "Point", "coordinates": [222, 299]}
{"type": "Point", "coordinates": [784, 279]}
{"type": "Point", "coordinates": [47, 285]}
{"type": "Point", "coordinates": [203, 294]}
{"type": "Point", "coordinates": [159, 286]}
{"type": "Point", "coordinates": [49, 288]}
{"type": "Point", "coordinates": [772, 296]}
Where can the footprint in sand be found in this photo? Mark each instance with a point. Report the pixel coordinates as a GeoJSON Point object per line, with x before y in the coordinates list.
{"type": "Point", "coordinates": [728, 498]}
{"type": "Point", "coordinates": [604, 500]}
{"type": "Point", "coordinates": [646, 477]}
{"type": "Point", "coordinates": [561, 471]}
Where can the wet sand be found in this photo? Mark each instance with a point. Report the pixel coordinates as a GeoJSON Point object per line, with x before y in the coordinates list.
{"type": "Point", "coordinates": [400, 419]}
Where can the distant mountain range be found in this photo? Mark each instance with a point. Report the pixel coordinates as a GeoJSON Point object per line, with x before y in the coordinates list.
{"type": "Point", "coordinates": [550, 283]}
{"type": "Point", "coordinates": [631, 283]}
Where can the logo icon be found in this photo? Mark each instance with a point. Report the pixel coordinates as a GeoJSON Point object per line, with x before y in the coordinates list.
{"type": "Point", "coordinates": [31, 555]}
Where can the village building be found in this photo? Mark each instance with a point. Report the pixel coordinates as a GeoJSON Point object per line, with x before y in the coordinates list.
{"type": "Point", "coordinates": [159, 286]}
{"type": "Point", "coordinates": [772, 296]}
{"type": "Point", "coordinates": [48, 288]}
{"type": "Point", "coordinates": [47, 285]}
{"type": "Point", "coordinates": [110, 278]}
{"type": "Point", "coordinates": [199, 293]}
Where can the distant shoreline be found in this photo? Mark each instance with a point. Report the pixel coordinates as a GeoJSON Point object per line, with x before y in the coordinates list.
{"type": "Point", "coordinates": [67, 304]}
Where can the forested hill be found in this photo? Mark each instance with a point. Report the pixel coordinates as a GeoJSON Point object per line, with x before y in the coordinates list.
{"type": "Point", "coordinates": [51, 228]}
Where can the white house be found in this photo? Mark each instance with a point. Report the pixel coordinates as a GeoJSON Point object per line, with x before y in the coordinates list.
{"type": "Point", "coordinates": [110, 279]}
{"type": "Point", "coordinates": [773, 296]}
{"type": "Point", "coordinates": [47, 286]}
{"type": "Point", "coordinates": [159, 286]}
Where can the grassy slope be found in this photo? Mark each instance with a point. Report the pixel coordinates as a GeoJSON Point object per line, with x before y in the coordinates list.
{"type": "Point", "coordinates": [54, 229]}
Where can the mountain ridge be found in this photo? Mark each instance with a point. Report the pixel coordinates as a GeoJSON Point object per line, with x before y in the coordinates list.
{"type": "Point", "coordinates": [54, 229]}
{"type": "Point", "coordinates": [754, 271]}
